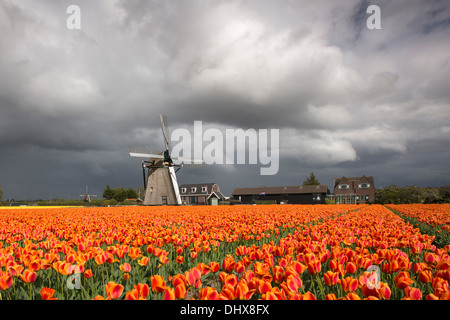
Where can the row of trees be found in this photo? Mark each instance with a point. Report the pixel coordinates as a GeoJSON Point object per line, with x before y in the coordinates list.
{"type": "Point", "coordinates": [411, 194]}
{"type": "Point", "coordinates": [119, 194]}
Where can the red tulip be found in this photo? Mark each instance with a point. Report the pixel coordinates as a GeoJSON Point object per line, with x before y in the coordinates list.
{"type": "Point", "coordinates": [169, 294]}
{"type": "Point", "coordinates": [113, 290]}
{"type": "Point", "coordinates": [28, 276]}
{"type": "Point", "coordinates": [425, 276]}
{"type": "Point", "coordinates": [331, 278]}
{"type": "Point", "coordinates": [47, 294]}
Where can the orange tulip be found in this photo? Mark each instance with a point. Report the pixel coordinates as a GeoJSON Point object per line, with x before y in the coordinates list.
{"type": "Point", "coordinates": [163, 259]}
{"type": "Point", "coordinates": [113, 290]}
{"type": "Point", "coordinates": [243, 292]}
{"type": "Point", "coordinates": [425, 276]}
{"type": "Point", "coordinates": [330, 296]}
{"type": "Point", "coordinates": [264, 287]}
{"type": "Point", "coordinates": [143, 290]}
{"type": "Point", "coordinates": [260, 269]}
{"type": "Point", "coordinates": [308, 296]}
{"type": "Point", "coordinates": [413, 293]}
{"type": "Point", "coordinates": [228, 263]}
{"type": "Point", "coordinates": [314, 267]}
{"type": "Point", "coordinates": [208, 293]}
{"type": "Point", "coordinates": [144, 261]}
{"type": "Point", "coordinates": [180, 291]}
{"type": "Point", "coordinates": [6, 281]}
{"type": "Point", "coordinates": [15, 270]}
{"type": "Point", "coordinates": [402, 280]}
{"type": "Point", "coordinates": [231, 280]}
{"type": "Point", "coordinates": [158, 283]}
{"type": "Point", "coordinates": [132, 295]}
{"type": "Point", "coordinates": [350, 267]}
{"type": "Point", "coordinates": [331, 278]}
{"type": "Point", "coordinates": [239, 267]}
{"type": "Point", "coordinates": [385, 291]}
{"type": "Point", "coordinates": [169, 294]}
{"type": "Point", "coordinates": [278, 274]}
{"type": "Point", "coordinates": [88, 273]}
{"type": "Point", "coordinates": [135, 252]}
{"type": "Point", "coordinates": [100, 259]}
{"type": "Point", "coordinates": [353, 296]}
{"type": "Point", "coordinates": [35, 265]}
{"type": "Point", "coordinates": [440, 286]}
{"type": "Point", "coordinates": [47, 294]}
{"type": "Point", "coordinates": [28, 276]}
{"type": "Point", "coordinates": [293, 283]}
{"type": "Point", "coordinates": [432, 296]}
{"type": "Point", "coordinates": [298, 267]}
{"type": "Point", "coordinates": [125, 267]}
{"type": "Point", "coordinates": [214, 266]}
{"type": "Point", "coordinates": [228, 292]}
{"type": "Point", "coordinates": [179, 259]}
{"type": "Point", "coordinates": [348, 284]}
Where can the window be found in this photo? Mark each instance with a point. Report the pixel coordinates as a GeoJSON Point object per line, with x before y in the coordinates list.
{"type": "Point", "coordinates": [364, 186]}
{"type": "Point", "coordinates": [183, 190]}
{"type": "Point", "coordinates": [203, 189]}
{"type": "Point", "coordinates": [193, 189]}
{"type": "Point", "coordinates": [343, 187]}
{"type": "Point", "coordinates": [164, 200]}
{"type": "Point", "coordinates": [316, 196]}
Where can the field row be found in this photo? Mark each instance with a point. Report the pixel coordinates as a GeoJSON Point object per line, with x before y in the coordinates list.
{"type": "Point", "coordinates": [239, 252]}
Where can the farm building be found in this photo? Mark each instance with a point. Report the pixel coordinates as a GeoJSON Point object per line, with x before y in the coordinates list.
{"type": "Point", "coordinates": [307, 194]}
{"type": "Point", "coordinates": [348, 190]}
{"type": "Point", "coordinates": [203, 193]}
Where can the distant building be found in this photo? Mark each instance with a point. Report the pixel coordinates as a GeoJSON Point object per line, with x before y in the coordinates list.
{"type": "Point", "coordinates": [202, 193]}
{"type": "Point", "coordinates": [287, 195]}
{"type": "Point", "coordinates": [354, 190]}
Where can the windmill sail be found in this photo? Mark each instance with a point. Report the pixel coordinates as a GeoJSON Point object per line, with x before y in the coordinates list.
{"type": "Point", "coordinates": [166, 133]}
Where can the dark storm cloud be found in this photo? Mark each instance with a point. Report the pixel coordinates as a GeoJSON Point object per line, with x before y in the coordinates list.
{"type": "Point", "coordinates": [347, 100]}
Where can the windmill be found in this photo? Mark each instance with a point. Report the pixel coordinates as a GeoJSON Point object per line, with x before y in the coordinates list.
{"type": "Point", "coordinates": [160, 181]}
{"type": "Point", "coordinates": [87, 196]}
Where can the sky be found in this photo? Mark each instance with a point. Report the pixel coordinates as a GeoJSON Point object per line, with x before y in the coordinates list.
{"type": "Point", "coordinates": [346, 99]}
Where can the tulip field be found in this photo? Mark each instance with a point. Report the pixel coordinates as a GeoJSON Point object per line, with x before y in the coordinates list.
{"type": "Point", "coordinates": [263, 252]}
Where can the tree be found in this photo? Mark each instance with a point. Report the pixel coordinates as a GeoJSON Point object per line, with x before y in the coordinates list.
{"type": "Point", "coordinates": [311, 180]}
{"type": "Point", "coordinates": [1, 194]}
{"type": "Point", "coordinates": [120, 194]}
{"type": "Point", "coordinates": [131, 194]}
{"type": "Point", "coordinates": [108, 193]}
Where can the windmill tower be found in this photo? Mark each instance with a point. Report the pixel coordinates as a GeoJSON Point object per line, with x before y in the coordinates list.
{"type": "Point", "coordinates": [160, 181]}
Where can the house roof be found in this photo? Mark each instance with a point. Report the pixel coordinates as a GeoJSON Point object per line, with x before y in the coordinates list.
{"type": "Point", "coordinates": [281, 190]}
{"type": "Point", "coordinates": [199, 191]}
{"type": "Point", "coordinates": [362, 179]}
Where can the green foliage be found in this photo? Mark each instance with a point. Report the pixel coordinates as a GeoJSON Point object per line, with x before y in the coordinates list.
{"type": "Point", "coordinates": [409, 194]}
{"type": "Point", "coordinates": [131, 194]}
{"type": "Point", "coordinates": [108, 193]}
{"type": "Point", "coordinates": [119, 194]}
{"type": "Point", "coordinates": [311, 180]}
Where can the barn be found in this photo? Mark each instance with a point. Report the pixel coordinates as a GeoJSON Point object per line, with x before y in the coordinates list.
{"type": "Point", "coordinates": [304, 194]}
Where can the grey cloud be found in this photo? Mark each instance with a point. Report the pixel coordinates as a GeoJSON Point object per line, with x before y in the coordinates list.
{"type": "Point", "coordinates": [352, 99]}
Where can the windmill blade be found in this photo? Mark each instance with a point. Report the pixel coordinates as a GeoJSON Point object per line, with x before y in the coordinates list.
{"type": "Point", "coordinates": [188, 161]}
{"type": "Point", "coordinates": [166, 132]}
{"type": "Point", "coordinates": [173, 177]}
{"type": "Point", "coordinates": [139, 152]}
